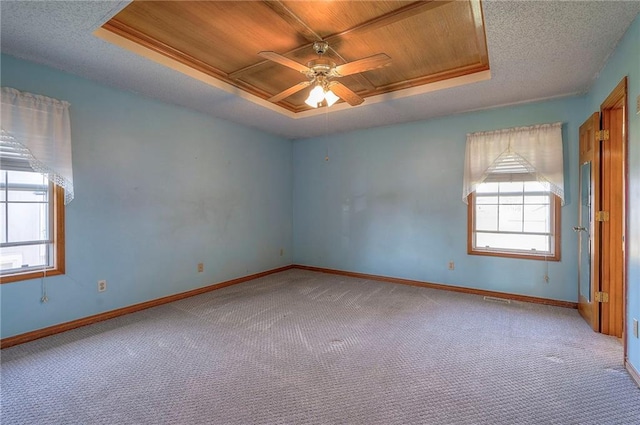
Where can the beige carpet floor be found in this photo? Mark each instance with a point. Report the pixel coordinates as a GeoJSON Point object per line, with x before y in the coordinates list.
{"type": "Point", "coordinates": [300, 347]}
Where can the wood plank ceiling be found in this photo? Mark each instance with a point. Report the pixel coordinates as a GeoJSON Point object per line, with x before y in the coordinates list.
{"type": "Point", "coordinates": [428, 41]}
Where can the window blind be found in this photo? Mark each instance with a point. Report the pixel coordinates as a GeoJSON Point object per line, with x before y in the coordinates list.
{"type": "Point", "coordinates": [517, 154]}
{"type": "Point", "coordinates": [36, 131]}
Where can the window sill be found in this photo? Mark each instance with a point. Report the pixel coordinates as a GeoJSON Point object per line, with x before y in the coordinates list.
{"type": "Point", "coordinates": [517, 255]}
{"type": "Point", "coordinates": [17, 277]}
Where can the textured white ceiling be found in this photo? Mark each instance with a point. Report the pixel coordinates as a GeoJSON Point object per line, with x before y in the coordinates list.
{"type": "Point", "coordinates": [537, 50]}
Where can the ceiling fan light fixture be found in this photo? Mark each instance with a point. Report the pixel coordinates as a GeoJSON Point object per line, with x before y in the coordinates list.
{"type": "Point", "coordinates": [315, 97]}
{"type": "Point", "coordinates": [321, 73]}
{"type": "Point", "coordinates": [330, 97]}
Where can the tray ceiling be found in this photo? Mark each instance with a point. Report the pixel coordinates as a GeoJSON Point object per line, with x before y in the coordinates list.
{"type": "Point", "coordinates": [537, 50]}
{"type": "Point", "coordinates": [218, 42]}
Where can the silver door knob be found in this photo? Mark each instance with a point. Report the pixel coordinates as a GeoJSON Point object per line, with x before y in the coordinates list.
{"type": "Point", "coordinates": [579, 229]}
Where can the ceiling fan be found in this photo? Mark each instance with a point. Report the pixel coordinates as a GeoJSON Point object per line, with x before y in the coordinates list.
{"type": "Point", "coordinates": [322, 72]}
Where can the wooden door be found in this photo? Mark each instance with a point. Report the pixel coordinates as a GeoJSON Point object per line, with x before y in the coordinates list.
{"type": "Point", "coordinates": [588, 229]}
{"type": "Point", "coordinates": [613, 162]}
{"type": "Point", "coordinates": [602, 216]}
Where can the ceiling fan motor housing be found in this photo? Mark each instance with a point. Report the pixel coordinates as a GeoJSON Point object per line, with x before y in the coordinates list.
{"type": "Point", "coordinates": [321, 47]}
{"type": "Point", "coordinates": [320, 66]}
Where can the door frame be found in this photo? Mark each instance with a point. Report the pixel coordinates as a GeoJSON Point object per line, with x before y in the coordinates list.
{"type": "Point", "coordinates": [609, 253]}
{"type": "Point", "coordinates": [613, 117]}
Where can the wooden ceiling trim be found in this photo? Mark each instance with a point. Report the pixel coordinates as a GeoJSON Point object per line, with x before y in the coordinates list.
{"type": "Point", "coordinates": [405, 92]}
{"type": "Point", "coordinates": [447, 44]}
{"type": "Point", "coordinates": [361, 78]}
{"type": "Point", "coordinates": [421, 81]}
{"type": "Point", "coordinates": [329, 17]}
{"type": "Point", "coordinates": [307, 32]}
{"type": "Point", "coordinates": [479, 70]}
{"type": "Point", "coordinates": [237, 74]}
{"type": "Point", "coordinates": [135, 36]}
{"type": "Point", "coordinates": [481, 37]}
{"type": "Point", "coordinates": [162, 59]}
{"type": "Point", "coordinates": [382, 21]}
{"type": "Point", "coordinates": [140, 38]}
{"type": "Point", "coordinates": [144, 40]}
{"type": "Point", "coordinates": [404, 12]}
{"type": "Point", "coordinates": [293, 20]}
{"type": "Point", "coordinates": [397, 15]}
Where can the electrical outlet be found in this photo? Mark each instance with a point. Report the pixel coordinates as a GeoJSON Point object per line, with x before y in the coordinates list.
{"type": "Point", "coordinates": [635, 328]}
{"type": "Point", "coordinates": [281, 252]}
{"type": "Point", "coordinates": [102, 285]}
{"type": "Point", "coordinates": [452, 265]}
{"type": "Point", "coordinates": [200, 267]}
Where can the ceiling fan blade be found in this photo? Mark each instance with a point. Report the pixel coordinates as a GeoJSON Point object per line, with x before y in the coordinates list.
{"type": "Point", "coordinates": [288, 92]}
{"type": "Point", "coordinates": [345, 93]}
{"type": "Point", "coordinates": [273, 56]}
{"type": "Point", "coordinates": [362, 65]}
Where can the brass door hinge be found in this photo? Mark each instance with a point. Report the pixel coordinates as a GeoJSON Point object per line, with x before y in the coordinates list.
{"type": "Point", "coordinates": [602, 135]}
{"type": "Point", "coordinates": [602, 297]}
{"type": "Point", "coordinates": [602, 216]}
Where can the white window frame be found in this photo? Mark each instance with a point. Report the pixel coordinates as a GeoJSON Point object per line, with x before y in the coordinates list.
{"type": "Point", "coordinates": [553, 252]}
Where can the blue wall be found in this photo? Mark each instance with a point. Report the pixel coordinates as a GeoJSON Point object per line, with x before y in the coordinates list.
{"type": "Point", "coordinates": [626, 61]}
{"type": "Point", "coordinates": [158, 189]}
{"type": "Point", "coordinates": [389, 202]}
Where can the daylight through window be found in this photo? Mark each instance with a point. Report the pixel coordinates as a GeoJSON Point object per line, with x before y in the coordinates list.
{"type": "Point", "coordinates": [517, 218]}
{"type": "Point", "coordinates": [30, 240]}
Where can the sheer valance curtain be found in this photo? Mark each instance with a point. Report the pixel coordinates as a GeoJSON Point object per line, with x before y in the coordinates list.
{"type": "Point", "coordinates": [523, 153]}
{"type": "Point", "coordinates": [36, 135]}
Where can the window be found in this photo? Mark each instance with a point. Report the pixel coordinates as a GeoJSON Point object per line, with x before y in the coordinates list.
{"type": "Point", "coordinates": [36, 182]}
{"type": "Point", "coordinates": [32, 220]}
{"type": "Point", "coordinates": [514, 187]}
{"type": "Point", "coordinates": [515, 219]}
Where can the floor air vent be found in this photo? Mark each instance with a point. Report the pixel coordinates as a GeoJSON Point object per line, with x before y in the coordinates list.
{"type": "Point", "coordinates": [497, 300]}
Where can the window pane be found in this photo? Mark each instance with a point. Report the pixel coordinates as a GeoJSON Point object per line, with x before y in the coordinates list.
{"type": "Point", "coordinates": [523, 206]}
{"type": "Point", "coordinates": [511, 200]}
{"type": "Point", "coordinates": [487, 188]}
{"type": "Point", "coordinates": [24, 256]}
{"type": "Point", "coordinates": [536, 186]}
{"type": "Point", "coordinates": [510, 187]}
{"type": "Point", "coordinates": [28, 222]}
{"type": "Point", "coordinates": [3, 223]}
{"type": "Point", "coordinates": [26, 211]}
{"type": "Point", "coordinates": [513, 242]}
{"type": "Point", "coordinates": [536, 218]}
{"type": "Point", "coordinates": [510, 218]}
{"type": "Point", "coordinates": [486, 199]}
{"type": "Point", "coordinates": [486, 217]}
{"type": "Point", "coordinates": [39, 195]}
{"type": "Point", "coordinates": [531, 199]}
{"type": "Point", "coordinates": [24, 177]}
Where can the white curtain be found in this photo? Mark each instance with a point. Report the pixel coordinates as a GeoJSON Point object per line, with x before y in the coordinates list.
{"type": "Point", "coordinates": [535, 152]}
{"type": "Point", "coordinates": [36, 130]}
